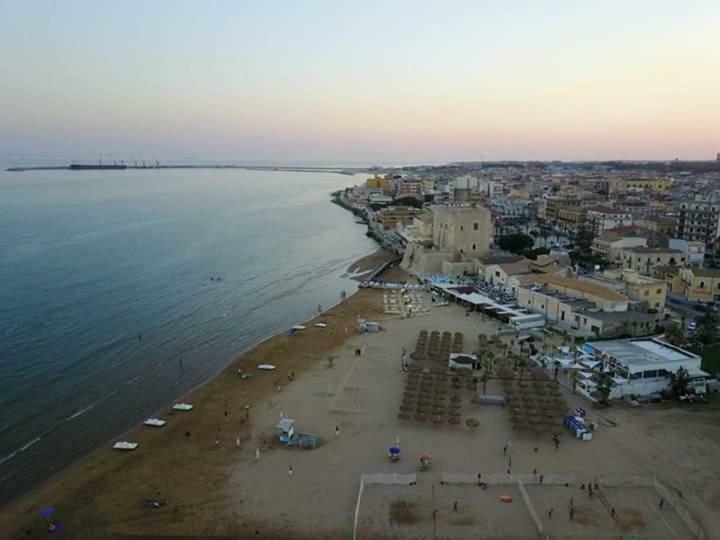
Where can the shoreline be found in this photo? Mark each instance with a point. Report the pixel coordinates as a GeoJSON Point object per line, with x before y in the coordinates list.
{"type": "Point", "coordinates": [18, 508]}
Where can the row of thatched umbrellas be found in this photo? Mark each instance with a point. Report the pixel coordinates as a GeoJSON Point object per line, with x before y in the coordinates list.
{"type": "Point", "coordinates": [437, 348]}
{"type": "Point", "coordinates": [427, 397]}
{"type": "Point", "coordinates": [535, 404]}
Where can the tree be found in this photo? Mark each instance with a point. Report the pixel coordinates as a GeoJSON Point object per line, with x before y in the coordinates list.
{"type": "Point", "coordinates": [605, 386]}
{"type": "Point", "coordinates": [574, 377]}
{"type": "Point", "coordinates": [679, 382]}
{"type": "Point", "coordinates": [409, 201]}
{"type": "Point", "coordinates": [675, 334]}
{"type": "Point", "coordinates": [707, 332]}
{"type": "Point", "coordinates": [484, 378]}
{"type": "Point", "coordinates": [515, 242]}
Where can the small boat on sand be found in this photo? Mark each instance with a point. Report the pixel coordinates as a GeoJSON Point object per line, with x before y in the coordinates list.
{"type": "Point", "coordinates": [124, 445]}
{"type": "Point", "coordinates": [182, 407]}
{"type": "Point", "coordinates": [321, 325]}
{"type": "Point", "coordinates": [154, 422]}
{"type": "Point", "coordinates": [298, 327]}
{"type": "Point", "coordinates": [266, 367]}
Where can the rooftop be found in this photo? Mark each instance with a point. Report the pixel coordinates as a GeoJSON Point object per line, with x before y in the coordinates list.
{"type": "Point", "coordinates": [705, 272]}
{"type": "Point", "coordinates": [619, 316]}
{"type": "Point", "coordinates": [577, 285]}
{"type": "Point", "coordinates": [640, 354]}
{"type": "Point", "coordinates": [650, 250]}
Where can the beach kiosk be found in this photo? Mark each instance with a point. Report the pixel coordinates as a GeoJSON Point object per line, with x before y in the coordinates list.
{"type": "Point", "coordinates": [285, 430]}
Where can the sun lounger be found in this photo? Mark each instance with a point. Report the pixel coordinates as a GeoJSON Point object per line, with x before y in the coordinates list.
{"type": "Point", "coordinates": [182, 407]}
{"type": "Point", "coordinates": [154, 422]}
{"type": "Point", "coordinates": [124, 445]}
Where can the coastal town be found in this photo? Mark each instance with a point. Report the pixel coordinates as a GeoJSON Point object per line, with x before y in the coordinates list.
{"type": "Point", "coordinates": [531, 354]}
{"type": "Point", "coordinates": [588, 251]}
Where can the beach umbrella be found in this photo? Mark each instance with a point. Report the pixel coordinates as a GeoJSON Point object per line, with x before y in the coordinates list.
{"type": "Point", "coordinates": [46, 512]}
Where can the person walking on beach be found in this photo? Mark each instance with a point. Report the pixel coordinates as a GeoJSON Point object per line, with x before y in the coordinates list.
{"type": "Point", "coordinates": [542, 477]}
{"type": "Point", "coordinates": [572, 513]}
{"type": "Point", "coordinates": [337, 431]}
{"type": "Point", "coordinates": [550, 513]}
{"type": "Point", "coordinates": [662, 502]}
{"type": "Point", "coordinates": [505, 449]}
{"type": "Point", "coordinates": [612, 513]}
{"type": "Point", "coordinates": [290, 470]}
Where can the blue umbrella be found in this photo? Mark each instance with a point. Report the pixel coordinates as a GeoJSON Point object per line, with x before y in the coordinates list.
{"type": "Point", "coordinates": [394, 450]}
{"type": "Point", "coordinates": [47, 512]}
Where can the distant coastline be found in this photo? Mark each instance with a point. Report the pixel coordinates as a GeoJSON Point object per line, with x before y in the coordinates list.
{"type": "Point", "coordinates": [336, 170]}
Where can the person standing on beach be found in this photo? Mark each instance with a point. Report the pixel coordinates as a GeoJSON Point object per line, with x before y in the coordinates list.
{"type": "Point", "coordinates": [290, 470]}
{"type": "Point", "coordinates": [337, 431]}
{"type": "Point", "coordinates": [662, 502]}
{"type": "Point", "coordinates": [550, 513]}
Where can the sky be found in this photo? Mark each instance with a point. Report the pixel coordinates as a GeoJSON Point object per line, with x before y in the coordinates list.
{"type": "Point", "coordinates": [367, 81]}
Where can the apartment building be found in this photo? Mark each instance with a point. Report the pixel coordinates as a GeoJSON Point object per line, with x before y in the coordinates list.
{"type": "Point", "coordinates": [698, 220]}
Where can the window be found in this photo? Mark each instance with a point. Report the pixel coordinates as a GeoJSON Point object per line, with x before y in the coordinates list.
{"type": "Point", "coordinates": [475, 226]}
{"type": "Point", "coordinates": [647, 293]}
{"type": "Point", "coordinates": [658, 291]}
{"type": "Point", "coordinates": [562, 316]}
{"type": "Point", "coordinates": [474, 248]}
{"type": "Point", "coordinates": [702, 284]}
{"type": "Point", "coordinates": [461, 227]}
{"type": "Point", "coordinates": [497, 273]}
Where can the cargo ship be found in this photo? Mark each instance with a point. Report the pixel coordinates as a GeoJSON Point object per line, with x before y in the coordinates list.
{"type": "Point", "coordinates": [96, 167]}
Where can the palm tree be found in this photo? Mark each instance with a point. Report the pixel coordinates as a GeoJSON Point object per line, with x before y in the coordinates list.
{"type": "Point", "coordinates": [485, 378]}
{"type": "Point", "coordinates": [679, 382]}
{"type": "Point", "coordinates": [490, 357]}
{"type": "Point", "coordinates": [574, 377]}
{"type": "Point", "coordinates": [605, 385]}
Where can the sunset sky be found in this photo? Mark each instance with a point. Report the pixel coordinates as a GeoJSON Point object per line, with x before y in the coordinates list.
{"type": "Point", "coordinates": [366, 81]}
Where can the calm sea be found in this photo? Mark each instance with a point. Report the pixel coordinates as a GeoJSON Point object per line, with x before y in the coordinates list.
{"type": "Point", "coordinates": [105, 283]}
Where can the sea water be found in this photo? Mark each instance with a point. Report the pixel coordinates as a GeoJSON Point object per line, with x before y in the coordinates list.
{"type": "Point", "coordinates": [109, 278]}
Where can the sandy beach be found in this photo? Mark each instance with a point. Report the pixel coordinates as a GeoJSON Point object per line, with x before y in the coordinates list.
{"type": "Point", "coordinates": [216, 489]}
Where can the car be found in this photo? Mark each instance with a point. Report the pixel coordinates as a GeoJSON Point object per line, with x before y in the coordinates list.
{"type": "Point", "coordinates": [692, 325]}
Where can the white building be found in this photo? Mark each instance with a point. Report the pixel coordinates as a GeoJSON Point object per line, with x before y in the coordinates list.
{"type": "Point", "coordinates": [645, 366]}
{"type": "Point", "coordinates": [694, 251]}
{"type": "Point", "coordinates": [603, 218]}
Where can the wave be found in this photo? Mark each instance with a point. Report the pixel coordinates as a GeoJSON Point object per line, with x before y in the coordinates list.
{"type": "Point", "coordinates": [20, 450]}
{"type": "Point", "coordinates": [90, 407]}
